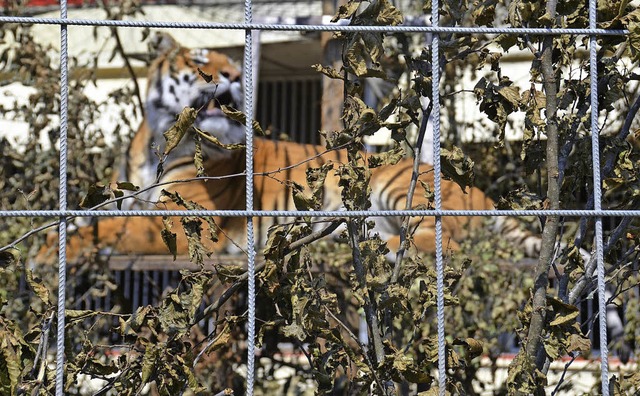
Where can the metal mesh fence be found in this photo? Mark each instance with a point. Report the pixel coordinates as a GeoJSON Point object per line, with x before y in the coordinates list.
{"type": "Point", "coordinates": [63, 213]}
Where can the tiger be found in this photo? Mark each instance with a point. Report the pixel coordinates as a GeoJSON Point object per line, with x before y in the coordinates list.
{"type": "Point", "coordinates": [174, 82]}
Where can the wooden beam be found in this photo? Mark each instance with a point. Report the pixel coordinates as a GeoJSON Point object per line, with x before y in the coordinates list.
{"type": "Point", "coordinates": [165, 262]}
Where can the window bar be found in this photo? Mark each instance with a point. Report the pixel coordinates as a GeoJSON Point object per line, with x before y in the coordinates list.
{"type": "Point", "coordinates": [145, 280]}
{"type": "Point", "coordinates": [285, 101]}
{"type": "Point", "coordinates": [435, 98]}
{"type": "Point", "coordinates": [275, 99]}
{"type": "Point", "coordinates": [251, 253]}
{"type": "Point", "coordinates": [294, 115]}
{"type": "Point", "coordinates": [597, 201]}
{"type": "Point", "coordinates": [304, 112]}
{"type": "Point", "coordinates": [62, 226]}
{"type": "Point", "coordinates": [135, 290]}
{"type": "Point", "coordinates": [315, 123]}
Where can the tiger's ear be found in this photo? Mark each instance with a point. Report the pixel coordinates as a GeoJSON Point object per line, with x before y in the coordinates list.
{"type": "Point", "coordinates": [161, 42]}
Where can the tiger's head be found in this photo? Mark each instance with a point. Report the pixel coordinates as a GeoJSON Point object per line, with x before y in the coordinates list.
{"type": "Point", "coordinates": [175, 82]}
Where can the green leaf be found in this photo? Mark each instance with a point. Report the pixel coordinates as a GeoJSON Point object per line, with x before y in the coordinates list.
{"type": "Point", "coordinates": [389, 109]}
{"type": "Point", "coordinates": [193, 230]}
{"type": "Point", "coordinates": [510, 93]}
{"type": "Point", "coordinates": [385, 13]}
{"type": "Point", "coordinates": [301, 200]}
{"type": "Point", "coordinates": [346, 11]}
{"type": "Point", "coordinates": [552, 347]}
{"type": "Point", "coordinates": [546, 20]}
{"type": "Point", "coordinates": [97, 194]}
{"type": "Point", "coordinates": [174, 135]}
{"type": "Point", "coordinates": [578, 342]}
{"type": "Point", "coordinates": [406, 366]}
{"type": "Point", "coordinates": [9, 367]}
{"type": "Point", "coordinates": [568, 318]}
{"type": "Point", "coordinates": [138, 318]}
{"type": "Point", "coordinates": [9, 256]}
{"type": "Point", "coordinates": [168, 237]}
{"type": "Point", "coordinates": [520, 199]}
{"type": "Point", "coordinates": [355, 59]}
{"type": "Point", "coordinates": [198, 160]}
{"type": "Point", "coordinates": [214, 140]}
{"type": "Point", "coordinates": [192, 299]}
{"type": "Point", "coordinates": [221, 339]}
{"type": "Point", "coordinates": [207, 77]}
{"type": "Point", "coordinates": [634, 40]}
{"type": "Point", "coordinates": [390, 157]}
{"type": "Point", "coordinates": [240, 117]}
{"type": "Point", "coordinates": [473, 347]}
{"type": "Point", "coordinates": [356, 189]}
{"type": "Point", "coordinates": [229, 272]}
{"type": "Point", "coordinates": [328, 71]}
{"type": "Point", "coordinates": [128, 186]}
{"type": "Point", "coordinates": [295, 331]}
{"type": "Point", "coordinates": [38, 287]}
{"type": "Point", "coordinates": [484, 13]}
{"type": "Point", "coordinates": [457, 166]}
{"type": "Point", "coordinates": [312, 200]}
{"type": "Point", "coordinates": [151, 354]}
{"type": "Point", "coordinates": [80, 314]}
{"type": "Point", "coordinates": [561, 307]}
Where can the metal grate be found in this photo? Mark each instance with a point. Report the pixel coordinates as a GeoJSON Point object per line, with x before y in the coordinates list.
{"type": "Point", "coordinates": [290, 108]}
{"type": "Point", "coordinates": [63, 213]}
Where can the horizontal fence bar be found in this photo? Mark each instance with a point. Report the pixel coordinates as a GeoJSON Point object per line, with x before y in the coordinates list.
{"type": "Point", "coordinates": [306, 28]}
{"type": "Point", "coordinates": [319, 213]}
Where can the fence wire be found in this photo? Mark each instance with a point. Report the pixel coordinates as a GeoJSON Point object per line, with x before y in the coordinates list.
{"type": "Point", "coordinates": [63, 214]}
{"type": "Point", "coordinates": [437, 190]}
{"type": "Point", "coordinates": [597, 198]}
{"type": "Point", "coordinates": [250, 248]}
{"type": "Point", "coordinates": [62, 227]}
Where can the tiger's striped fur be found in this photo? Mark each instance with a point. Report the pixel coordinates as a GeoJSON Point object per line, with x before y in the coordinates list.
{"type": "Point", "coordinates": [175, 82]}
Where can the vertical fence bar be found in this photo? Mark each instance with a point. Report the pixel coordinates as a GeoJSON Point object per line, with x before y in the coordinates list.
{"type": "Point", "coordinates": [597, 201]}
{"type": "Point", "coordinates": [435, 98]}
{"type": "Point", "coordinates": [62, 227]}
{"type": "Point", "coordinates": [251, 254]}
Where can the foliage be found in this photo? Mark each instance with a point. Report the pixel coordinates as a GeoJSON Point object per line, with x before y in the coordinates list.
{"type": "Point", "coordinates": [314, 296]}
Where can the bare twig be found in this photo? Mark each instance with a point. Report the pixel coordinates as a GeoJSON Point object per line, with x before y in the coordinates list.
{"type": "Point", "coordinates": [611, 156]}
{"type": "Point", "coordinates": [591, 266]}
{"type": "Point", "coordinates": [240, 281]}
{"type": "Point", "coordinates": [127, 64]}
{"type": "Point", "coordinates": [297, 244]}
{"type": "Point", "coordinates": [354, 338]}
{"type": "Point", "coordinates": [369, 299]}
{"type": "Point", "coordinates": [412, 187]}
{"type": "Point", "coordinates": [564, 373]}
{"type": "Point", "coordinates": [41, 353]}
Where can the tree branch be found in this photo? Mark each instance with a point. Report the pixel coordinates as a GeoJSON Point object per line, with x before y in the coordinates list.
{"type": "Point", "coordinates": [534, 346]}
{"type": "Point", "coordinates": [412, 187]}
{"type": "Point", "coordinates": [372, 367]}
{"type": "Point", "coordinates": [127, 64]}
{"type": "Point", "coordinates": [369, 299]}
